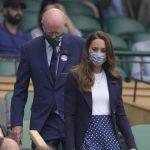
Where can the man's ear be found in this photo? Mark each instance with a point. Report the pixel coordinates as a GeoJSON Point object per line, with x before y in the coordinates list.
{"type": "Point", "coordinates": [42, 25]}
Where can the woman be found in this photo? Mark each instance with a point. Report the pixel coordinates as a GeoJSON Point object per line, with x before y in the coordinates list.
{"type": "Point", "coordinates": [93, 104]}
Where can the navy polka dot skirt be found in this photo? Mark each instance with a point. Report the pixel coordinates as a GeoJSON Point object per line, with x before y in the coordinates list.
{"type": "Point", "coordinates": [100, 134]}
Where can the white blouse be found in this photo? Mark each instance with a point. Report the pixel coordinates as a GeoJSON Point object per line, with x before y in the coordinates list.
{"type": "Point", "coordinates": [100, 95]}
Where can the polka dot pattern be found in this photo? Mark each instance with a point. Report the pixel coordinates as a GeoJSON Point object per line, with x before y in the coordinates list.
{"type": "Point", "coordinates": [100, 134]}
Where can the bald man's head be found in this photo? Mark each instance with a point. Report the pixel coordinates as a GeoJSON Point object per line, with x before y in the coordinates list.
{"type": "Point", "coordinates": [53, 21]}
{"type": "Point", "coordinates": [9, 144]}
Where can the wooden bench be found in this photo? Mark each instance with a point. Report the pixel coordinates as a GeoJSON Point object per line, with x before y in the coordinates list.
{"type": "Point", "coordinates": [140, 107]}
{"type": "Point", "coordinates": [142, 89]}
{"type": "Point", "coordinates": [7, 84]}
{"type": "Point", "coordinates": [138, 110]}
{"type": "Point", "coordinates": [38, 140]}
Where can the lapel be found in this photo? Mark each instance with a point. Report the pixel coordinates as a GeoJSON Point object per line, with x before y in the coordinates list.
{"type": "Point", "coordinates": [88, 98]}
{"type": "Point", "coordinates": [112, 82]}
{"type": "Point", "coordinates": [64, 56]}
{"type": "Point", "coordinates": [43, 57]}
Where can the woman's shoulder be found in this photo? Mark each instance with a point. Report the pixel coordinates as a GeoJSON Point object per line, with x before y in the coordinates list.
{"type": "Point", "coordinates": [72, 74]}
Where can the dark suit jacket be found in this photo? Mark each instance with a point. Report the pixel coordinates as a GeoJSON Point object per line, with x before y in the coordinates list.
{"type": "Point", "coordinates": [34, 65]}
{"type": "Point", "coordinates": [78, 111]}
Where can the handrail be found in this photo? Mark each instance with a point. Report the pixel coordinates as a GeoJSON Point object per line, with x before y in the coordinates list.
{"type": "Point", "coordinates": [132, 53]}
{"type": "Point", "coordinates": [118, 53]}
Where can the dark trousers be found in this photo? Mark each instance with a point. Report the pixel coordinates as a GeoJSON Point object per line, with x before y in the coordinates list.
{"type": "Point", "coordinates": [53, 131]}
{"type": "Point", "coordinates": [57, 144]}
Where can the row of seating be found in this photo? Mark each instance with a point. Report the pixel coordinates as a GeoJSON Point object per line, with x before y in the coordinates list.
{"type": "Point", "coordinates": [123, 31]}
{"type": "Point", "coordinates": [8, 67]}
{"type": "Point", "coordinates": [75, 6]}
{"type": "Point", "coordinates": [142, 135]}
{"type": "Point", "coordinates": [85, 19]}
{"type": "Point", "coordinates": [121, 26]}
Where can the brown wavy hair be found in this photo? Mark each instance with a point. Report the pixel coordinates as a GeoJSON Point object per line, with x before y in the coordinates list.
{"type": "Point", "coordinates": [85, 70]}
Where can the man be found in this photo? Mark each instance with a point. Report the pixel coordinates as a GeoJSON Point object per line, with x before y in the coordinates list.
{"type": "Point", "coordinates": [46, 60]}
{"type": "Point", "coordinates": [8, 144]}
{"type": "Point", "coordinates": [140, 68]}
{"type": "Point", "coordinates": [12, 37]}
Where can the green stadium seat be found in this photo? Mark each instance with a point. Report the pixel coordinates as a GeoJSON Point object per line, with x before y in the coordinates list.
{"type": "Point", "coordinates": [93, 7]}
{"type": "Point", "coordinates": [122, 26]}
{"type": "Point", "coordinates": [94, 1]}
{"type": "Point", "coordinates": [118, 63]}
{"type": "Point", "coordinates": [33, 5]}
{"type": "Point", "coordinates": [148, 27]}
{"type": "Point", "coordinates": [27, 111]}
{"type": "Point", "coordinates": [1, 5]}
{"type": "Point", "coordinates": [78, 7]}
{"type": "Point", "coordinates": [7, 67]}
{"type": "Point", "coordinates": [121, 62]}
{"type": "Point", "coordinates": [1, 17]}
{"type": "Point", "coordinates": [118, 43]}
{"type": "Point", "coordinates": [141, 135]}
{"type": "Point", "coordinates": [85, 24]}
{"type": "Point", "coordinates": [126, 67]}
{"type": "Point", "coordinates": [26, 141]}
{"type": "Point", "coordinates": [139, 37]}
{"type": "Point", "coordinates": [29, 21]}
{"type": "Point", "coordinates": [121, 72]}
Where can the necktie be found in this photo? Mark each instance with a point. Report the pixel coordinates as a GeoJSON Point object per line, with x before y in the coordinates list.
{"type": "Point", "coordinates": [53, 64]}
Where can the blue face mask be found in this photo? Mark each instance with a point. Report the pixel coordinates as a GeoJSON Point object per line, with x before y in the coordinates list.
{"type": "Point", "coordinates": [97, 58]}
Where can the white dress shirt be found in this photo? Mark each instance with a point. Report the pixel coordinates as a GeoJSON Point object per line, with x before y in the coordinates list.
{"type": "Point", "coordinates": [49, 51]}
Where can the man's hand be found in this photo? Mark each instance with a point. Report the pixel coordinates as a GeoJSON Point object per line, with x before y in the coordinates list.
{"type": "Point", "coordinates": [17, 133]}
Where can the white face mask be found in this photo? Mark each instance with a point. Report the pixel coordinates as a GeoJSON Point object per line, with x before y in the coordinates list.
{"type": "Point", "coordinates": [97, 58]}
